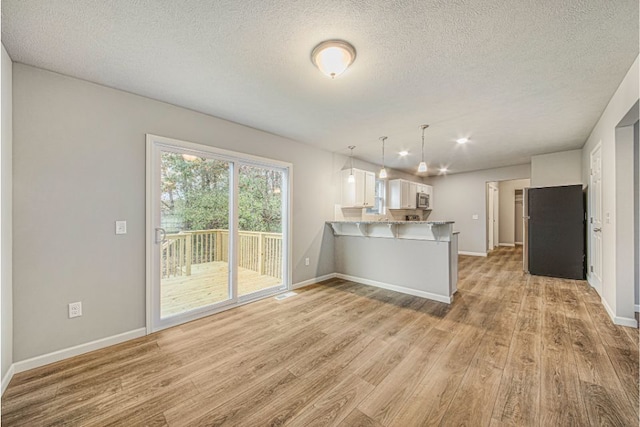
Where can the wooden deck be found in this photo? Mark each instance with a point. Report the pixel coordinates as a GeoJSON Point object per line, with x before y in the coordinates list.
{"type": "Point", "coordinates": [208, 284]}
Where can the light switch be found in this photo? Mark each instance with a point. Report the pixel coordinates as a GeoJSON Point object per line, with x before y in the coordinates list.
{"type": "Point", "coordinates": [121, 227]}
{"type": "Point", "coordinates": [474, 216]}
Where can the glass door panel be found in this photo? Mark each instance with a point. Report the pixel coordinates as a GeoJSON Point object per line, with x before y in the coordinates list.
{"type": "Point", "coordinates": [260, 225]}
{"type": "Point", "coordinates": [194, 218]}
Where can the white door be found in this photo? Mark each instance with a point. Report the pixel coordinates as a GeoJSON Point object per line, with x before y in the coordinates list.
{"type": "Point", "coordinates": [595, 220]}
{"type": "Point", "coordinates": [496, 217]}
{"type": "Point", "coordinates": [490, 216]}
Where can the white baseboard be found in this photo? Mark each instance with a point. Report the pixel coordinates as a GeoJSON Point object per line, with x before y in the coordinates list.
{"type": "Point", "coordinates": [510, 245]}
{"type": "Point", "coordinates": [56, 356]}
{"type": "Point", "coordinates": [626, 321]}
{"type": "Point", "coordinates": [401, 289]}
{"type": "Point", "coordinates": [617, 320]}
{"type": "Point", "coordinates": [7, 378]}
{"type": "Point", "coordinates": [313, 281]}
{"type": "Point", "coordinates": [637, 308]}
{"type": "Point", "coordinates": [484, 254]}
{"type": "Point", "coordinates": [519, 243]}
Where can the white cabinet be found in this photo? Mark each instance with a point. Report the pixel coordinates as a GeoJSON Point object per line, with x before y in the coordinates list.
{"type": "Point", "coordinates": [402, 193]}
{"type": "Point", "coordinates": [413, 192]}
{"type": "Point", "coordinates": [362, 192]}
{"type": "Point", "coordinates": [429, 191]}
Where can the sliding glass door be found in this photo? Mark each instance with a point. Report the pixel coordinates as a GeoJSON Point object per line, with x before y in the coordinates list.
{"type": "Point", "coordinates": [194, 229]}
{"type": "Point", "coordinates": [260, 210]}
{"type": "Point", "coordinates": [217, 230]}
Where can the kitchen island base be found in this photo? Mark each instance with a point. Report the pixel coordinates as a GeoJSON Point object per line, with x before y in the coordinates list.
{"type": "Point", "coordinates": [420, 267]}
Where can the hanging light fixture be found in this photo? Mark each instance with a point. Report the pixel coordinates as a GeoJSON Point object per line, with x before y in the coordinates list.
{"type": "Point", "coordinates": [422, 167]}
{"type": "Point", "coordinates": [333, 57]}
{"type": "Point", "coordinates": [352, 177]}
{"type": "Point", "coordinates": [383, 171]}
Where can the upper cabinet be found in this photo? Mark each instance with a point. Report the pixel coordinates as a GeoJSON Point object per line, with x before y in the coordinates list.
{"type": "Point", "coordinates": [403, 194]}
{"type": "Point", "coordinates": [362, 192]}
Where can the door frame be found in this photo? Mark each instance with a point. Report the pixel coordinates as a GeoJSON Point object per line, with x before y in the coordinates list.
{"type": "Point", "coordinates": [593, 281]}
{"type": "Point", "coordinates": [155, 143]}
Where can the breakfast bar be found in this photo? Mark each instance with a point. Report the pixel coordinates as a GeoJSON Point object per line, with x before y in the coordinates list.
{"type": "Point", "coordinates": [414, 257]}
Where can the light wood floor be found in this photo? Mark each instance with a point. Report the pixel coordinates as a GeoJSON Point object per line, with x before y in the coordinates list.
{"type": "Point", "coordinates": [208, 284]}
{"type": "Point", "coordinates": [511, 350]}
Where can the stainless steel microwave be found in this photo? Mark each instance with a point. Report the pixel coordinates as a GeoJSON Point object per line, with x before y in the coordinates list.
{"type": "Point", "coordinates": [422, 201]}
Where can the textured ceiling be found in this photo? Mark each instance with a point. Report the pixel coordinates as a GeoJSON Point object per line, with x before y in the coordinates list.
{"type": "Point", "coordinates": [518, 77]}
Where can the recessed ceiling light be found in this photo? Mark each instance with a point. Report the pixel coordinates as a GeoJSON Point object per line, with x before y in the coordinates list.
{"type": "Point", "coordinates": [462, 140]}
{"type": "Point", "coordinates": [333, 57]}
{"type": "Point", "coordinates": [443, 170]}
{"type": "Point", "coordinates": [403, 153]}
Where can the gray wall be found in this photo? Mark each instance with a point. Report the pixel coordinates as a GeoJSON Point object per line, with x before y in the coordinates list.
{"type": "Point", "coordinates": [5, 213]}
{"type": "Point", "coordinates": [563, 168]}
{"type": "Point", "coordinates": [459, 196]}
{"type": "Point", "coordinates": [507, 208]}
{"type": "Point", "coordinates": [79, 164]}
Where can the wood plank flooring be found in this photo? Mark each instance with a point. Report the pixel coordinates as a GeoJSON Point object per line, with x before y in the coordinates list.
{"type": "Point", "coordinates": [511, 350]}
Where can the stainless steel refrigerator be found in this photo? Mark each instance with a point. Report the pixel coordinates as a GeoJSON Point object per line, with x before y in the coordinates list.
{"type": "Point", "coordinates": [554, 231]}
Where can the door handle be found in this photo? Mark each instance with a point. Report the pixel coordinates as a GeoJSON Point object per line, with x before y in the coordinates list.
{"type": "Point", "coordinates": [597, 229]}
{"type": "Point", "coordinates": [160, 232]}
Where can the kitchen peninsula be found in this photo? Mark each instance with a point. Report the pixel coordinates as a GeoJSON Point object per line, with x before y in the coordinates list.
{"type": "Point", "coordinates": [414, 257]}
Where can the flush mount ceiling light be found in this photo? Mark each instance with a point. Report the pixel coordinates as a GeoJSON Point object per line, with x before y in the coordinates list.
{"type": "Point", "coordinates": [462, 140]}
{"type": "Point", "coordinates": [403, 153]}
{"type": "Point", "coordinates": [333, 57]}
{"type": "Point", "coordinates": [443, 170]}
{"type": "Point", "coordinates": [422, 167]}
{"type": "Point", "coordinates": [351, 178]}
{"type": "Point", "coordinates": [383, 171]}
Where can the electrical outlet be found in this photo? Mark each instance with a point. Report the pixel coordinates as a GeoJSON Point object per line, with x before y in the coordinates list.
{"type": "Point", "coordinates": [474, 216]}
{"type": "Point", "coordinates": [121, 227]}
{"type": "Point", "coordinates": [306, 261]}
{"type": "Point", "coordinates": [75, 309]}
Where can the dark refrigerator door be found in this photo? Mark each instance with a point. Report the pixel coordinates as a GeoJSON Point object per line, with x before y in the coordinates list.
{"type": "Point", "coordinates": [556, 231]}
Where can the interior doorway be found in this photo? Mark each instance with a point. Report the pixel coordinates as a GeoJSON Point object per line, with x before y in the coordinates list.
{"type": "Point", "coordinates": [505, 212]}
{"type": "Point", "coordinates": [493, 200]}
{"type": "Point", "coordinates": [518, 215]}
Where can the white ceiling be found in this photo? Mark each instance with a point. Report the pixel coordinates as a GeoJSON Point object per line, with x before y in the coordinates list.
{"type": "Point", "coordinates": [518, 77]}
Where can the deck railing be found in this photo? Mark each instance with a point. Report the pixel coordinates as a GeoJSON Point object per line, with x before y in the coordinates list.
{"type": "Point", "coordinates": [257, 251]}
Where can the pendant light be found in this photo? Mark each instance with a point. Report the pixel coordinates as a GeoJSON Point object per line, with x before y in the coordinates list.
{"type": "Point", "coordinates": [422, 167]}
{"type": "Point", "coordinates": [383, 171]}
{"type": "Point", "coordinates": [352, 177]}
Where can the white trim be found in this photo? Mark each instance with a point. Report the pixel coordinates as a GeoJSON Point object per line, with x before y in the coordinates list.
{"type": "Point", "coordinates": [591, 284]}
{"type": "Point", "coordinates": [7, 378]}
{"type": "Point", "coordinates": [636, 308]}
{"type": "Point", "coordinates": [484, 254]}
{"type": "Point", "coordinates": [511, 245]}
{"type": "Point", "coordinates": [607, 308]}
{"type": "Point", "coordinates": [313, 280]}
{"type": "Point", "coordinates": [626, 321]}
{"type": "Point", "coordinates": [401, 289]}
{"type": "Point", "coordinates": [56, 356]}
{"type": "Point", "coordinates": [622, 321]}
{"type": "Point", "coordinates": [519, 243]}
